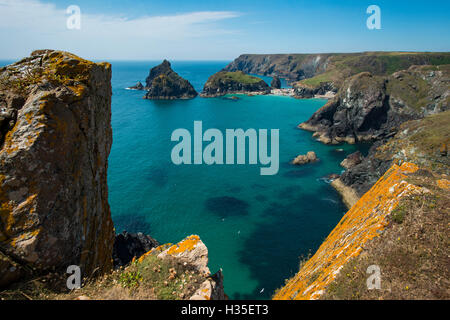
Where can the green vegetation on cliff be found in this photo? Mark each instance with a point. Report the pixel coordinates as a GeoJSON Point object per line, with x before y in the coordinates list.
{"type": "Point", "coordinates": [224, 82]}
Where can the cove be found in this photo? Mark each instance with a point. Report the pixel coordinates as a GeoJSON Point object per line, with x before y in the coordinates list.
{"type": "Point", "coordinates": [256, 227]}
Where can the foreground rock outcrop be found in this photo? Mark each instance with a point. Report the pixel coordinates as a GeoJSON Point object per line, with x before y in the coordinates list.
{"type": "Point", "coordinates": [375, 215]}
{"type": "Point", "coordinates": [192, 252]}
{"type": "Point", "coordinates": [165, 84]}
{"type": "Point", "coordinates": [223, 83]}
{"type": "Point", "coordinates": [55, 141]}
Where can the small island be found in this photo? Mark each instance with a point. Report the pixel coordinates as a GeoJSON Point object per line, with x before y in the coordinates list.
{"type": "Point", "coordinates": [165, 84]}
{"type": "Point", "coordinates": [223, 82]}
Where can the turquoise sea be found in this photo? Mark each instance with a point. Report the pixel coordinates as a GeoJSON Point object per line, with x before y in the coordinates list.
{"type": "Point", "coordinates": [255, 227]}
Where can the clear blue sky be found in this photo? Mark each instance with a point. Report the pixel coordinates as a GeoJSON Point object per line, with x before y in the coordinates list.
{"type": "Point", "coordinates": [220, 30]}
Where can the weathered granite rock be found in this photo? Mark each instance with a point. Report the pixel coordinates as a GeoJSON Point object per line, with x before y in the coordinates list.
{"type": "Point", "coordinates": [276, 83]}
{"type": "Point", "coordinates": [304, 159]}
{"type": "Point", "coordinates": [54, 209]}
{"type": "Point", "coordinates": [131, 245]}
{"type": "Point", "coordinates": [165, 84]}
{"type": "Point", "coordinates": [352, 160]}
{"type": "Point", "coordinates": [193, 252]}
{"type": "Point", "coordinates": [223, 83]}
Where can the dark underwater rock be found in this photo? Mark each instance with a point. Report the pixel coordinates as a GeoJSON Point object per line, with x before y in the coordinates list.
{"type": "Point", "coordinates": [130, 245]}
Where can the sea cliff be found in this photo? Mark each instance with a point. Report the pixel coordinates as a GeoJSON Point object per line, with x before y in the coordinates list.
{"type": "Point", "coordinates": [54, 157]}
{"type": "Point", "coordinates": [312, 74]}
{"type": "Point", "coordinates": [337, 270]}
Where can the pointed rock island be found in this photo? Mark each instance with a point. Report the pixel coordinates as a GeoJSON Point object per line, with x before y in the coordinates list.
{"type": "Point", "coordinates": [165, 84]}
{"type": "Point", "coordinates": [223, 82]}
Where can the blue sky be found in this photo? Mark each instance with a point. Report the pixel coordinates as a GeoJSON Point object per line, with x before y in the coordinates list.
{"type": "Point", "coordinates": [220, 30]}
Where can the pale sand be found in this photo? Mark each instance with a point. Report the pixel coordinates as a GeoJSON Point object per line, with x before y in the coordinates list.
{"type": "Point", "coordinates": [349, 195]}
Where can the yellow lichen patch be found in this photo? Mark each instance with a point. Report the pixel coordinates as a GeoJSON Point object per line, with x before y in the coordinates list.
{"type": "Point", "coordinates": [78, 90]}
{"type": "Point", "coordinates": [156, 250]}
{"type": "Point", "coordinates": [443, 184]}
{"type": "Point", "coordinates": [364, 221]}
{"type": "Point", "coordinates": [187, 245]}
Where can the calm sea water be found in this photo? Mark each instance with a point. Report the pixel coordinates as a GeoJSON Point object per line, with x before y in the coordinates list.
{"type": "Point", "coordinates": [255, 227]}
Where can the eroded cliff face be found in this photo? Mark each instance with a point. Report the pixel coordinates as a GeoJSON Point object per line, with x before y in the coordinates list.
{"type": "Point", "coordinates": [365, 221]}
{"type": "Point", "coordinates": [370, 108]}
{"type": "Point", "coordinates": [55, 140]}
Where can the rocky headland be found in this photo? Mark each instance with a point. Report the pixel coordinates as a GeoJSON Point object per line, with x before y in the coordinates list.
{"type": "Point", "coordinates": [163, 83]}
{"type": "Point", "coordinates": [371, 109]}
{"type": "Point", "coordinates": [223, 83]}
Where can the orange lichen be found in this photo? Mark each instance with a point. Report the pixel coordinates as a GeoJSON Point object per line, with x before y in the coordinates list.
{"type": "Point", "coordinates": [364, 221]}
{"type": "Point", "coordinates": [443, 184]}
{"type": "Point", "coordinates": [187, 245]}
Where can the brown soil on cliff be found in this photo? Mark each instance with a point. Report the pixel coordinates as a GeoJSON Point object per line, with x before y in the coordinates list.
{"type": "Point", "coordinates": [412, 252]}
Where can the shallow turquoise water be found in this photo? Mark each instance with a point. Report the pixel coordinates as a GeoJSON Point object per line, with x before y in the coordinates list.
{"type": "Point", "coordinates": [255, 227]}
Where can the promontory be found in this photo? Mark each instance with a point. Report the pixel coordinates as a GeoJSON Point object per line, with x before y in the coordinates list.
{"type": "Point", "coordinates": [223, 82]}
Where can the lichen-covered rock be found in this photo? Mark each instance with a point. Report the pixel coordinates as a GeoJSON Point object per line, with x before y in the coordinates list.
{"type": "Point", "coordinates": [364, 221]}
{"type": "Point", "coordinates": [222, 83]}
{"type": "Point", "coordinates": [193, 252]}
{"type": "Point", "coordinates": [165, 84]}
{"type": "Point", "coordinates": [54, 209]}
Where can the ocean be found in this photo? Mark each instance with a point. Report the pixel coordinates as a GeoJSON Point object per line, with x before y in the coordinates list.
{"type": "Point", "coordinates": [256, 227]}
